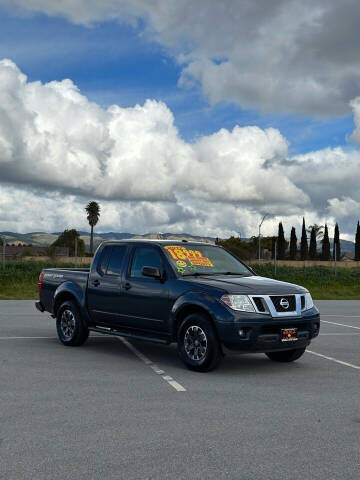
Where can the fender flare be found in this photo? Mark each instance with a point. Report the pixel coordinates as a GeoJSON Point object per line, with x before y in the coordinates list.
{"type": "Point", "coordinates": [197, 301]}
{"type": "Point", "coordinates": [70, 290]}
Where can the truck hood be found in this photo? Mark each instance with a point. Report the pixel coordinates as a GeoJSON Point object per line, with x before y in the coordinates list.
{"type": "Point", "coordinates": [252, 285]}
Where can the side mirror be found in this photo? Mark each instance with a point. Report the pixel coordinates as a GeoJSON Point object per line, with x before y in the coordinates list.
{"type": "Point", "coordinates": [153, 272]}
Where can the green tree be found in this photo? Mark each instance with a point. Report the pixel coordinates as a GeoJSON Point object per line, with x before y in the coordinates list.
{"type": "Point", "coordinates": [67, 239]}
{"type": "Point", "coordinates": [325, 250]}
{"type": "Point", "coordinates": [313, 244]}
{"type": "Point", "coordinates": [240, 248]}
{"type": "Point", "coordinates": [281, 242]}
{"type": "Point", "coordinates": [357, 243]}
{"type": "Point", "coordinates": [304, 243]}
{"type": "Point", "coordinates": [336, 245]}
{"type": "Point", "coordinates": [293, 244]}
{"type": "Point", "coordinates": [93, 214]}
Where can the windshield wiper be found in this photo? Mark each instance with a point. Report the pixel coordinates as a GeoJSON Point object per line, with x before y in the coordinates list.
{"type": "Point", "coordinates": [230, 273]}
{"type": "Point", "coordinates": [198, 274]}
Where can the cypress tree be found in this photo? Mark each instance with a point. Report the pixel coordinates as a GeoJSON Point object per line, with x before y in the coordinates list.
{"type": "Point", "coordinates": [336, 245]}
{"type": "Point", "coordinates": [357, 243]}
{"type": "Point", "coordinates": [325, 250]}
{"type": "Point", "coordinates": [293, 244]}
{"type": "Point", "coordinates": [304, 243]}
{"type": "Point", "coordinates": [281, 242]}
{"type": "Point", "coordinates": [313, 244]}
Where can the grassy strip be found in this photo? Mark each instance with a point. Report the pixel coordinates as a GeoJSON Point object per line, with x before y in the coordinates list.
{"type": "Point", "coordinates": [320, 281]}
{"type": "Point", "coordinates": [19, 280]}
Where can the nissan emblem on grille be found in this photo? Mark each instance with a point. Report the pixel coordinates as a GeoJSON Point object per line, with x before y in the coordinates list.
{"type": "Point", "coordinates": [284, 303]}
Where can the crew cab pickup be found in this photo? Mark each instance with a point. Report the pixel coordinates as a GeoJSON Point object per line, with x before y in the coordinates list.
{"type": "Point", "coordinates": [196, 294]}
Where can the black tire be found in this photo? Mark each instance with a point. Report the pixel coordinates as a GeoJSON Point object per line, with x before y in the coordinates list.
{"type": "Point", "coordinates": [287, 355]}
{"type": "Point", "coordinates": [196, 327]}
{"type": "Point", "coordinates": [70, 328]}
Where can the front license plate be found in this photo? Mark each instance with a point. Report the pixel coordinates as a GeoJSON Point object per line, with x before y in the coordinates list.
{"type": "Point", "coordinates": [288, 334]}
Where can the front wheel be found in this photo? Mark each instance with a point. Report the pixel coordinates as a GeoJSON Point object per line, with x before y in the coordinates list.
{"type": "Point", "coordinates": [286, 356]}
{"type": "Point", "coordinates": [198, 345]}
{"type": "Point", "coordinates": [70, 328]}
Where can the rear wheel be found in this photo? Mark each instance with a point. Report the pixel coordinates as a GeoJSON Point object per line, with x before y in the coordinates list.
{"type": "Point", "coordinates": [70, 328]}
{"type": "Point", "coordinates": [287, 355]}
{"type": "Point", "coordinates": [198, 345]}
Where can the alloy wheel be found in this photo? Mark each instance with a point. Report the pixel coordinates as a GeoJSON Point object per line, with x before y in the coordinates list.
{"type": "Point", "coordinates": [195, 343]}
{"type": "Point", "coordinates": [67, 323]}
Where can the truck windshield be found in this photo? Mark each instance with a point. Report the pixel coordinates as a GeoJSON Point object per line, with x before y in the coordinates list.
{"type": "Point", "coordinates": [204, 259]}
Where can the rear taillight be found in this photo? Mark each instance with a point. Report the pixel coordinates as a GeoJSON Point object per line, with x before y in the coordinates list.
{"type": "Point", "coordinates": [40, 282]}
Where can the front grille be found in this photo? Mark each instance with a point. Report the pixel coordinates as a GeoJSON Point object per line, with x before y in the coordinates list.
{"type": "Point", "coordinates": [259, 302]}
{"type": "Point", "coordinates": [302, 302]}
{"type": "Point", "coordinates": [278, 300]}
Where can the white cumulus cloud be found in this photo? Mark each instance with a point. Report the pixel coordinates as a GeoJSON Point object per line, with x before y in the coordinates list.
{"type": "Point", "coordinates": [58, 150]}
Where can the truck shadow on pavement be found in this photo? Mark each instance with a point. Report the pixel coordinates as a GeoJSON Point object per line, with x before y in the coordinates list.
{"type": "Point", "coordinates": [166, 356]}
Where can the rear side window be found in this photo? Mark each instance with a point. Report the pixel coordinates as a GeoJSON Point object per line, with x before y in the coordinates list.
{"type": "Point", "coordinates": [116, 260]}
{"type": "Point", "coordinates": [104, 260]}
{"type": "Point", "coordinates": [144, 257]}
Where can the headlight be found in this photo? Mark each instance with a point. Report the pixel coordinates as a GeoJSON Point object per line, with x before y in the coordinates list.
{"type": "Point", "coordinates": [308, 301]}
{"type": "Point", "coordinates": [240, 303]}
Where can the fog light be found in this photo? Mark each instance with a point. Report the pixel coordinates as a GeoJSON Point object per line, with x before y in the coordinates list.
{"type": "Point", "coordinates": [242, 333]}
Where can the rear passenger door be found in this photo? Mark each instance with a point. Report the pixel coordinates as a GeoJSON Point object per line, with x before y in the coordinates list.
{"type": "Point", "coordinates": [105, 295]}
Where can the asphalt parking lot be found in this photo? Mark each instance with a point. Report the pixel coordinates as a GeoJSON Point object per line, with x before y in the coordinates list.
{"type": "Point", "coordinates": [121, 410]}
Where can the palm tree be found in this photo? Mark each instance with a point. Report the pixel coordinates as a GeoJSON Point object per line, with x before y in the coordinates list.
{"type": "Point", "coordinates": [318, 230]}
{"type": "Point", "coordinates": [93, 214]}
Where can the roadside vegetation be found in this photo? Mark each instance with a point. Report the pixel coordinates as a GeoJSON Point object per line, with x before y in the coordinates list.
{"type": "Point", "coordinates": [320, 281]}
{"type": "Point", "coordinates": [19, 279]}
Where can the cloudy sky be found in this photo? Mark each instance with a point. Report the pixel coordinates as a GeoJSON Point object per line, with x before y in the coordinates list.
{"type": "Point", "coordinates": [178, 118]}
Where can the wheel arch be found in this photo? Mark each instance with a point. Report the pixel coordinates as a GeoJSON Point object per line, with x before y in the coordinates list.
{"type": "Point", "coordinates": [187, 310]}
{"type": "Point", "coordinates": [62, 297]}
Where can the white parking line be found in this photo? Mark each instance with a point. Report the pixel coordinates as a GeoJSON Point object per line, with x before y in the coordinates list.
{"type": "Point", "coordinates": [22, 338]}
{"type": "Point", "coordinates": [347, 364]}
{"type": "Point", "coordinates": [153, 366]}
{"type": "Point", "coordinates": [340, 324]}
{"type": "Point", "coordinates": [54, 338]}
{"type": "Point", "coordinates": [349, 334]}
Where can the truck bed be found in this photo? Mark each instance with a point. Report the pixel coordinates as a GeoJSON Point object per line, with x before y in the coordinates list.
{"type": "Point", "coordinates": [54, 277]}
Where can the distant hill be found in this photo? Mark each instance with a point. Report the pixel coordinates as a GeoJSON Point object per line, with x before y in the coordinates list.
{"type": "Point", "coordinates": [45, 239]}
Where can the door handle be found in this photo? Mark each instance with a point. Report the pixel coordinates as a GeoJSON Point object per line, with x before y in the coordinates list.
{"type": "Point", "coordinates": [96, 283]}
{"type": "Point", "coordinates": [127, 286]}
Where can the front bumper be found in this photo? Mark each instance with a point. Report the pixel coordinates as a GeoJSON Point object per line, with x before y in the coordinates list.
{"type": "Point", "coordinates": [263, 333]}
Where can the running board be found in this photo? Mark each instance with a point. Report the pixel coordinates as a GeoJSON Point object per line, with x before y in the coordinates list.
{"type": "Point", "coordinates": [136, 336]}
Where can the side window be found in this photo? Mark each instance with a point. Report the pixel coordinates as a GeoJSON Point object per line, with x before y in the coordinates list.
{"type": "Point", "coordinates": [104, 260]}
{"type": "Point", "coordinates": [144, 257]}
{"type": "Point", "coordinates": [116, 260]}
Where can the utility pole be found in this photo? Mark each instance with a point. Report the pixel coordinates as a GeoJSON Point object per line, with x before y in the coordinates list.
{"type": "Point", "coordinates": [76, 250]}
{"type": "Point", "coordinates": [3, 254]}
{"type": "Point", "coordinates": [260, 236]}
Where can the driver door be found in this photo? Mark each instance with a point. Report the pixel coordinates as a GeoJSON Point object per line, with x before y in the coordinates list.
{"type": "Point", "coordinates": [146, 303]}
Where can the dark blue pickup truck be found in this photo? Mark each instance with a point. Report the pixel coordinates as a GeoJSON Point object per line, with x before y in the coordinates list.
{"type": "Point", "coordinates": [196, 294]}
